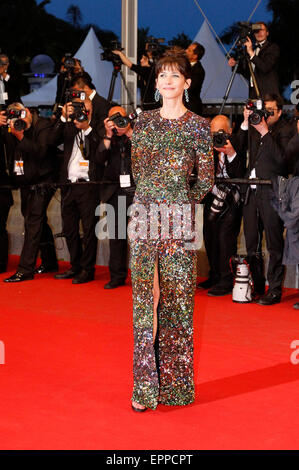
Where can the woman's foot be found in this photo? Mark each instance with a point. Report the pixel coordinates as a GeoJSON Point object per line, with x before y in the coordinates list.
{"type": "Point", "coordinates": [137, 407]}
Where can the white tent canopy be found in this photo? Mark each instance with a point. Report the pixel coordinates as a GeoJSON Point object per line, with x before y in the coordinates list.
{"type": "Point", "coordinates": [100, 72]}
{"type": "Point", "coordinates": [218, 72]}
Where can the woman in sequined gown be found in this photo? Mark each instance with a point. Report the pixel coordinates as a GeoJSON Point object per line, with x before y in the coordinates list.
{"type": "Point", "coordinates": [167, 143]}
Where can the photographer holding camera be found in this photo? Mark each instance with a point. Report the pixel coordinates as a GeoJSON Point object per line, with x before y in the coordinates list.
{"type": "Point", "coordinates": [222, 209]}
{"type": "Point", "coordinates": [69, 69]}
{"type": "Point", "coordinates": [269, 136]}
{"type": "Point", "coordinates": [30, 163]}
{"type": "Point", "coordinates": [146, 73]}
{"type": "Point", "coordinates": [263, 56]}
{"type": "Point", "coordinates": [10, 88]}
{"type": "Point", "coordinates": [194, 53]}
{"type": "Point", "coordinates": [78, 201]}
{"type": "Point", "coordinates": [115, 153]}
{"type": "Point", "coordinates": [100, 106]}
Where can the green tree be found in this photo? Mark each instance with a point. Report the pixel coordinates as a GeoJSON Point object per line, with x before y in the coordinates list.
{"type": "Point", "coordinates": [74, 15]}
{"type": "Point", "coordinates": [27, 30]}
{"type": "Point", "coordinates": [284, 31]}
{"type": "Point", "coordinates": [143, 34]}
{"type": "Point", "coordinates": [104, 36]}
{"type": "Point", "coordinates": [181, 40]}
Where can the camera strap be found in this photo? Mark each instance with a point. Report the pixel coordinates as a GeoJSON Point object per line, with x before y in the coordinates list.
{"type": "Point", "coordinates": [81, 144]}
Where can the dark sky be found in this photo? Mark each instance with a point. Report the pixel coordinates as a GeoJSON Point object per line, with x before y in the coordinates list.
{"type": "Point", "coordinates": [165, 18]}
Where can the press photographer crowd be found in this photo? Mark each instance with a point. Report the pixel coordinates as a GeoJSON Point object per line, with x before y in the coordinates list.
{"type": "Point", "coordinates": [84, 149]}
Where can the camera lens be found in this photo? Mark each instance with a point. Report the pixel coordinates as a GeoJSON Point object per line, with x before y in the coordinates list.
{"type": "Point", "coordinates": [20, 125]}
{"type": "Point", "coordinates": [255, 119]}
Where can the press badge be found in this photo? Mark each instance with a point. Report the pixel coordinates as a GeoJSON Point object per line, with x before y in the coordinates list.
{"type": "Point", "coordinates": [19, 167]}
{"type": "Point", "coordinates": [125, 181]}
{"type": "Point", "coordinates": [84, 168]}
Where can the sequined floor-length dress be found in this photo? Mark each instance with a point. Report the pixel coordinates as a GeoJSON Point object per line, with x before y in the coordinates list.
{"type": "Point", "coordinates": [164, 153]}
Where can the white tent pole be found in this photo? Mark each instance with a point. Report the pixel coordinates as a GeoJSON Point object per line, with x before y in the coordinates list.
{"type": "Point", "coordinates": [129, 33]}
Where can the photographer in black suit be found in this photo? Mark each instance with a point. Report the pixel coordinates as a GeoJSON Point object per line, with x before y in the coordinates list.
{"type": "Point", "coordinates": [195, 52]}
{"type": "Point", "coordinates": [30, 162]}
{"type": "Point", "coordinates": [69, 68]}
{"type": "Point", "coordinates": [222, 222]}
{"type": "Point", "coordinates": [100, 106]}
{"type": "Point", "coordinates": [264, 58]}
{"type": "Point", "coordinates": [10, 87]}
{"type": "Point", "coordinates": [78, 202]}
{"type": "Point", "coordinates": [146, 75]}
{"type": "Point", "coordinates": [115, 153]}
{"type": "Point", "coordinates": [268, 141]}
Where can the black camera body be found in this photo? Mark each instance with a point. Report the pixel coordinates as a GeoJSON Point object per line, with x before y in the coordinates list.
{"type": "Point", "coordinates": [17, 116]}
{"type": "Point", "coordinates": [69, 62]}
{"type": "Point", "coordinates": [122, 121]}
{"type": "Point", "coordinates": [80, 113]}
{"type": "Point", "coordinates": [108, 54]}
{"type": "Point", "coordinates": [219, 202]}
{"type": "Point", "coordinates": [247, 29]}
{"type": "Point", "coordinates": [220, 138]}
{"type": "Point", "coordinates": [258, 111]}
{"type": "Point", "coordinates": [155, 46]}
{"type": "Point", "coordinates": [119, 120]}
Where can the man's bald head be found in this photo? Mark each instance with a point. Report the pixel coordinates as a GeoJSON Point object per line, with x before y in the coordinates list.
{"type": "Point", "coordinates": [221, 122]}
{"type": "Point", "coordinates": [120, 110]}
{"type": "Point", "coordinates": [117, 109]}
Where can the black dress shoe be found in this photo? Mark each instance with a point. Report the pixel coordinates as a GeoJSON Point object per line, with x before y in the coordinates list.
{"type": "Point", "coordinates": [269, 299]}
{"type": "Point", "coordinates": [19, 277]}
{"type": "Point", "coordinates": [45, 269]}
{"type": "Point", "coordinates": [218, 290]}
{"type": "Point", "coordinates": [66, 274]}
{"type": "Point", "coordinates": [296, 306]}
{"type": "Point", "coordinates": [83, 277]}
{"type": "Point", "coordinates": [113, 284]}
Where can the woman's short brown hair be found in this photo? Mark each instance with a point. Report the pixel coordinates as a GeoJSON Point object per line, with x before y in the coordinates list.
{"type": "Point", "coordinates": [174, 58]}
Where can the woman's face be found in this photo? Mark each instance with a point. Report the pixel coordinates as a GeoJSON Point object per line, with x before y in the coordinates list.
{"type": "Point", "coordinates": [171, 83]}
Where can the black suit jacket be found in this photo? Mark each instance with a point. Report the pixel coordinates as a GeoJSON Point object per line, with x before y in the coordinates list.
{"type": "Point", "coordinates": [268, 153]}
{"type": "Point", "coordinates": [266, 64]}
{"type": "Point", "coordinates": [35, 151]}
{"type": "Point", "coordinates": [114, 165]}
{"type": "Point", "coordinates": [235, 169]}
{"type": "Point", "coordinates": [147, 85]}
{"type": "Point", "coordinates": [12, 90]}
{"type": "Point", "coordinates": [65, 132]}
{"type": "Point", "coordinates": [100, 109]}
{"type": "Point", "coordinates": [292, 152]}
{"type": "Point", "coordinates": [197, 78]}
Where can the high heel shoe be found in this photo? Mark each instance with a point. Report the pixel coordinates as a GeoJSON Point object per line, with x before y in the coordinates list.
{"type": "Point", "coordinates": [138, 410]}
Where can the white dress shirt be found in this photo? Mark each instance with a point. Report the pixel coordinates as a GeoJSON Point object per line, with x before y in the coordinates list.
{"type": "Point", "coordinates": [78, 167]}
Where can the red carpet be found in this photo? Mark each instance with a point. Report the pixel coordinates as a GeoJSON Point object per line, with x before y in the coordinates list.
{"type": "Point", "coordinates": [66, 382]}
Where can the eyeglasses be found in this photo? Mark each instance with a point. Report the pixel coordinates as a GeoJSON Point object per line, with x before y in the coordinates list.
{"type": "Point", "coordinates": [271, 110]}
